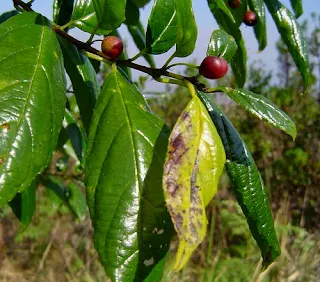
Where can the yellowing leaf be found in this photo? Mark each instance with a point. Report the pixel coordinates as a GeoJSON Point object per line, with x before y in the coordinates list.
{"type": "Point", "coordinates": [194, 163]}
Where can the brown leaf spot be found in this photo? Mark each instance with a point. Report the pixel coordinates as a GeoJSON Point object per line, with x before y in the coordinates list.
{"type": "Point", "coordinates": [185, 115]}
{"type": "Point", "coordinates": [1, 161]}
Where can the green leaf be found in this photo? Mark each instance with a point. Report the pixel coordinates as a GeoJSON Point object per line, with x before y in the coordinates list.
{"type": "Point", "coordinates": [187, 30]}
{"type": "Point", "coordinates": [238, 13]}
{"type": "Point", "coordinates": [139, 38]}
{"type": "Point", "coordinates": [261, 107]}
{"type": "Point", "coordinates": [247, 184]}
{"type": "Point", "coordinates": [32, 100]}
{"type": "Point", "coordinates": [132, 227]}
{"type": "Point", "coordinates": [84, 17]}
{"type": "Point", "coordinates": [110, 13]}
{"type": "Point", "coordinates": [157, 272]}
{"type": "Point", "coordinates": [297, 7]}
{"type": "Point", "coordinates": [162, 27]}
{"type": "Point", "coordinates": [70, 193]}
{"type": "Point", "coordinates": [222, 5]}
{"type": "Point", "coordinates": [23, 205]}
{"type": "Point", "coordinates": [292, 36]}
{"type": "Point", "coordinates": [239, 60]}
{"type": "Point", "coordinates": [194, 164]}
{"type": "Point", "coordinates": [132, 13]}
{"type": "Point", "coordinates": [62, 11]}
{"type": "Point", "coordinates": [83, 78]}
{"type": "Point", "coordinates": [7, 15]}
{"type": "Point", "coordinates": [222, 44]}
{"type": "Point", "coordinates": [141, 3]}
{"type": "Point", "coordinates": [260, 29]}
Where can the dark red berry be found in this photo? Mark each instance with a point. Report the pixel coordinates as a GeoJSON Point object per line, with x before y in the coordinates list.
{"type": "Point", "coordinates": [112, 47]}
{"type": "Point", "coordinates": [213, 67]}
{"type": "Point", "coordinates": [250, 18]}
{"type": "Point", "coordinates": [234, 4]}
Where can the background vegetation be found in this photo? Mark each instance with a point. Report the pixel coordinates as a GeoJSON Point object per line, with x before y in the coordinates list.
{"type": "Point", "coordinates": [58, 247]}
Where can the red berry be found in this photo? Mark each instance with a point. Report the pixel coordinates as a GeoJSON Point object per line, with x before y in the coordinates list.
{"type": "Point", "coordinates": [112, 47]}
{"type": "Point", "coordinates": [234, 4]}
{"type": "Point", "coordinates": [250, 18]}
{"type": "Point", "coordinates": [213, 67]}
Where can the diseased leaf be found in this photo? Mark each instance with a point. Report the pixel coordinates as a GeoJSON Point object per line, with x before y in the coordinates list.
{"type": "Point", "coordinates": [297, 7]}
{"type": "Point", "coordinates": [222, 44]}
{"type": "Point", "coordinates": [62, 11]}
{"type": "Point", "coordinates": [260, 29]}
{"type": "Point", "coordinates": [247, 184]}
{"type": "Point", "coordinates": [187, 31]}
{"type": "Point", "coordinates": [292, 36]}
{"type": "Point", "coordinates": [23, 205]}
{"type": "Point", "coordinates": [261, 107]}
{"type": "Point", "coordinates": [83, 78]}
{"type": "Point", "coordinates": [132, 228]}
{"type": "Point", "coordinates": [162, 27]}
{"type": "Point", "coordinates": [193, 166]}
{"type": "Point", "coordinates": [239, 60]}
{"type": "Point", "coordinates": [110, 13]}
{"type": "Point", "coordinates": [139, 38]}
{"type": "Point", "coordinates": [32, 100]}
{"type": "Point", "coordinates": [84, 17]}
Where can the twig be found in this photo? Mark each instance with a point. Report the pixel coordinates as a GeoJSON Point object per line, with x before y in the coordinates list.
{"type": "Point", "coordinates": [44, 256]}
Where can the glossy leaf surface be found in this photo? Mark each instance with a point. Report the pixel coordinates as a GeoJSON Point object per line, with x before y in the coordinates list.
{"type": "Point", "coordinates": [297, 7]}
{"type": "Point", "coordinates": [239, 60]}
{"type": "Point", "coordinates": [187, 30]}
{"type": "Point", "coordinates": [110, 13]}
{"type": "Point", "coordinates": [193, 166]}
{"type": "Point", "coordinates": [139, 38]}
{"type": "Point", "coordinates": [292, 36]}
{"type": "Point", "coordinates": [23, 205]}
{"type": "Point", "coordinates": [162, 27]}
{"type": "Point", "coordinates": [83, 78]}
{"type": "Point", "coordinates": [263, 108]}
{"type": "Point", "coordinates": [222, 44]}
{"type": "Point", "coordinates": [32, 100]}
{"type": "Point", "coordinates": [132, 228]}
{"type": "Point", "coordinates": [84, 17]}
{"type": "Point", "coordinates": [62, 11]}
{"type": "Point", "coordinates": [260, 29]}
{"type": "Point", "coordinates": [247, 184]}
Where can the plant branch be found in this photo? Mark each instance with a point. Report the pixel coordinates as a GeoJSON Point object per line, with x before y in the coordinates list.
{"type": "Point", "coordinates": [156, 73]}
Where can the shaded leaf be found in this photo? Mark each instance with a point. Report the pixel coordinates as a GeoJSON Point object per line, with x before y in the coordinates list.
{"type": "Point", "coordinates": [193, 166]}
{"type": "Point", "coordinates": [187, 30]}
{"type": "Point", "coordinates": [247, 184]}
{"type": "Point", "coordinates": [141, 3]}
{"type": "Point", "coordinates": [292, 36]}
{"type": "Point", "coordinates": [222, 44]}
{"type": "Point", "coordinates": [110, 13]}
{"type": "Point", "coordinates": [132, 13]}
{"type": "Point", "coordinates": [83, 78]}
{"type": "Point", "coordinates": [297, 7]}
{"type": "Point", "coordinates": [260, 29]}
{"type": "Point", "coordinates": [261, 107]}
{"type": "Point", "coordinates": [162, 27]}
{"type": "Point", "coordinates": [7, 15]}
{"type": "Point", "coordinates": [62, 11]}
{"type": "Point", "coordinates": [32, 100]}
{"type": "Point", "coordinates": [23, 205]}
{"type": "Point", "coordinates": [132, 228]}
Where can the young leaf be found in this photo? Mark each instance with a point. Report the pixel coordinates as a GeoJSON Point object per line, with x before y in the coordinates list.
{"type": "Point", "coordinates": [247, 183]}
{"type": "Point", "coordinates": [32, 100]}
{"type": "Point", "coordinates": [83, 78]}
{"type": "Point", "coordinates": [297, 7]}
{"type": "Point", "coordinates": [162, 27]}
{"type": "Point", "coordinates": [260, 29]}
{"type": "Point", "coordinates": [187, 31]}
{"type": "Point", "coordinates": [222, 44]}
{"type": "Point", "coordinates": [110, 13]}
{"type": "Point", "coordinates": [261, 107]}
{"type": "Point", "coordinates": [292, 36]}
{"type": "Point", "coordinates": [139, 38]}
{"type": "Point", "coordinates": [84, 17]}
{"type": "Point", "coordinates": [124, 168]}
{"type": "Point", "coordinates": [239, 60]}
{"type": "Point", "coordinates": [62, 11]}
{"type": "Point", "coordinates": [23, 205]}
{"type": "Point", "coordinates": [193, 166]}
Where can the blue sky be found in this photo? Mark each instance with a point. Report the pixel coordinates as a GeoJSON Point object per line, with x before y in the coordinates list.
{"type": "Point", "coordinates": [206, 25]}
